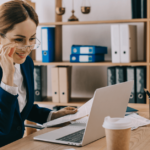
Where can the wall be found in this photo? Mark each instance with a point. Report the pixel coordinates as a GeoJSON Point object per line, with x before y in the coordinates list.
{"type": "Point", "coordinates": [86, 79]}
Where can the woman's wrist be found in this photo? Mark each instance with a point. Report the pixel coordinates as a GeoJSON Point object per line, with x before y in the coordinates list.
{"type": "Point", "coordinates": [56, 115]}
{"type": "Point", "coordinates": [8, 80]}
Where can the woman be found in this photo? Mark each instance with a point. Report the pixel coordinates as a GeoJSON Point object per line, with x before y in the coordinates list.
{"type": "Point", "coordinates": [18, 23]}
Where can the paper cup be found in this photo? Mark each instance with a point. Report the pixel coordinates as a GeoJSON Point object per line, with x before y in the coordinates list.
{"type": "Point", "coordinates": [118, 132]}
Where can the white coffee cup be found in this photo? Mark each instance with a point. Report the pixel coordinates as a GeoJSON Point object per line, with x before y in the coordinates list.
{"type": "Point", "coordinates": [118, 132]}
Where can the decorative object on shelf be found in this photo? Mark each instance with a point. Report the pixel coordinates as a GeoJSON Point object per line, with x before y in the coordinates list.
{"type": "Point", "coordinates": [85, 9]}
{"type": "Point", "coordinates": [60, 10]}
{"type": "Point", "coordinates": [73, 17]}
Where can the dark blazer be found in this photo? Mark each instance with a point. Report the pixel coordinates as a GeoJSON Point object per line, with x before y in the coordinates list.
{"type": "Point", "coordinates": [11, 120]}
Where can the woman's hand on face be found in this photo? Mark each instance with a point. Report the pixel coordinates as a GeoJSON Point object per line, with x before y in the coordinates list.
{"type": "Point", "coordinates": [6, 58]}
{"type": "Point", "coordinates": [6, 62]}
{"type": "Point", "coordinates": [63, 112]}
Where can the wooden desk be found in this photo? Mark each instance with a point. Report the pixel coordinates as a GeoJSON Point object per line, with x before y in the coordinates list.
{"type": "Point", "coordinates": [140, 138]}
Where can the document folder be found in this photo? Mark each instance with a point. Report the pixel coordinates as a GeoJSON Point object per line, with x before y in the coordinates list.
{"type": "Point", "coordinates": [48, 44]}
{"type": "Point", "coordinates": [55, 84]}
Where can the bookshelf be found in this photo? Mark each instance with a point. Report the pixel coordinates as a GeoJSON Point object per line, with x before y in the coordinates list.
{"type": "Point", "coordinates": [58, 49]}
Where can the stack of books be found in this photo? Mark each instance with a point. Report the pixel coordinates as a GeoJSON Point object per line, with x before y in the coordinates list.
{"type": "Point", "coordinates": [118, 74]}
{"type": "Point", "coordinates": [87, 53]}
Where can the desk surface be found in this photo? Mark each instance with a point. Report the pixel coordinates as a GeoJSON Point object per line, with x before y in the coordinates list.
{"type": "Point", "coordinates": [140, 138]}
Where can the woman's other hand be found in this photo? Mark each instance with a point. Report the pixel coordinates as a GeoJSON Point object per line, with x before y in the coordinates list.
{"type": "Point", "coordinates": [6, 62]}
{"type": "Point", "coordinates": [63, 112]}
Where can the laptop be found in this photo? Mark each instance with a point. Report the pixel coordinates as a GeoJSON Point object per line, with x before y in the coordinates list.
{"type": "Point", "coordinates": [107, 101]}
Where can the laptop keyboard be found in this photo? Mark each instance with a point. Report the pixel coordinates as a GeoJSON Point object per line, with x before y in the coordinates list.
{"type": "Point", "coordinates": [75, 137]}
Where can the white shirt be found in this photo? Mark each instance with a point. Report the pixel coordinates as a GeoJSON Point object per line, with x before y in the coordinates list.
{"type": "Point", "coordinates": [19, 88]}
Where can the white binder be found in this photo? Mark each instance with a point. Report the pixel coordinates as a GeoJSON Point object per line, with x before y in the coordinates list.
{"type": "Point", "coordinates": [64, 84]}
{"type": "Point", "coordinates": [128, 43]}
{"type": "Point", "coordinates": [115, 43]}
{"type": "Point", "coordinates": [55, 84]}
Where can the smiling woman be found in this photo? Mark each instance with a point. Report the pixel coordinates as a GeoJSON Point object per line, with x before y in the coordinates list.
{"type": "Point", "coordinates": [18, 23]}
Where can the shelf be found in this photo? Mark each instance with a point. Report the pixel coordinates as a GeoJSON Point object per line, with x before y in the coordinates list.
{"type": "Point", "coordinates": [81, 101]}
{"type": "Point", "coordinates": [94, 22]}
{"type": "Point", "coordinates": [107, 63]}
{"type": "Point", "coordinates": [72, 102]}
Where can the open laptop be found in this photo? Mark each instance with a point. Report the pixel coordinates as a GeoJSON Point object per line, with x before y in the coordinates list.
{"type": "Point", "coordinates": [107, 101]}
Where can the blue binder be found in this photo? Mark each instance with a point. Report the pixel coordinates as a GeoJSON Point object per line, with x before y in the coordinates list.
{"type": "Point", "coordinates": [88, 49]}
{"type": "Point", "coordinates": [86, 58]}
{"type": "Point", "coordinates": [48, 44]}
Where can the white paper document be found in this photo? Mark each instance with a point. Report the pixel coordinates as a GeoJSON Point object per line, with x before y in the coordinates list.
{"type": "Point", "coordinates": [137, 121]}
{"type": "Point", "coordinates": [83, 111]}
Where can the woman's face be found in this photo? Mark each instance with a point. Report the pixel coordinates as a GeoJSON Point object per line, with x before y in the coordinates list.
{"type": "Point", "coordinates": [24, 33]}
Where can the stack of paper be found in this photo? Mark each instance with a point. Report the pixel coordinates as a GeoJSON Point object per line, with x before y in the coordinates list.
{"type": "Point", "coordinates": [83, 111]}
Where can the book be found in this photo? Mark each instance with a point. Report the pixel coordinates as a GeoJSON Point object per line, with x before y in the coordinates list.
{"type": "Point", "coordinates": [128, 43]}
{"type": "Point", "coordinates": [129, 109]}
{"type": "Point", "coordinates": [88, 49]}
{"type": "Point", "coordinates": [48, 44]}
{"type": "Point", "coordinates": [85, 58]}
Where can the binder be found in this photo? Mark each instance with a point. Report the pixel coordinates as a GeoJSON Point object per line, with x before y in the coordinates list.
{"type": "Point", "coordinates": [55, 84]}
{"type": "Point", "coordinates": [37, 83]}
{"type": "Point", "coordinates": [86, 58]}
{"type": "Point", "coordinates": [120, 74]}
{"type": "Point", "coordinates": [88, 49]}
{"type": "Point", "coordinates": [44, 81]}
{"type": "Point", "coordinates": [115, 43]}
{"type": "Point", "coordinates": [111, 76]}
{"type": "Point", "coordinates": [131, 75]}
{"type": "Point", "coordinates": [48, 44]}
{"type": "Point", "coordinates": [128, 43]}
{"type": "Point", "coordinates": [135, 9]}
{"type": "Point", "coordinates": [65, 84]}
{"type": "Point", "coordinates": [143, 8]}
{"type": "Point", "coordinates": [40, 82]}
{"type": "Point", "coordinates": [141, 84]}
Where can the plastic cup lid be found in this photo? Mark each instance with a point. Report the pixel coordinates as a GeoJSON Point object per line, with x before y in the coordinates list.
{"type": "Point", "coordinates": [117, 123]}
